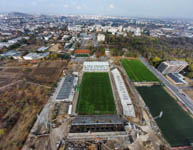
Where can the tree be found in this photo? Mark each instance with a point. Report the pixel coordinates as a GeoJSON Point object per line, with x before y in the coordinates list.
{"type": "Point", "coordinates": [189, 74]}
{"type": "Point", "coordinates": [190, 68]}
{"type": "Point", "coordinates": [2, 132]}
{"type": "Point", "coordinates": [14, 46]}
{"type": "Point", "coordinates": [53, 56]}
{"type": "Point", "coordinates": [156, 60]}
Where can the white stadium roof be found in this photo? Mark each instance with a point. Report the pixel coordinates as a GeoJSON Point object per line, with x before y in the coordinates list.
{"type": "Point", "coordinates": [126, 102]}
{"type": "Point", "coordinates": [96, 66]}
{"type": "Point", "coordinates": [70, 110]}
{"type": "Point", "coordinates": [122, 90]}
{"type": "Point", "coordinates": [102, 63]}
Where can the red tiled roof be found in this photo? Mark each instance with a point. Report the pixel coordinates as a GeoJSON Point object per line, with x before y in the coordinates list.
{"type": "Point", "coordinates": [82, 51]}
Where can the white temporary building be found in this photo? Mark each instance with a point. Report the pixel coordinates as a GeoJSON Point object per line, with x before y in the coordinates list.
{"type": "Point", "coordinates": [128, 109]}
{"type": "Point", "coordinates": [70, 110]}
{"type": "Point", "coordinates": [96, 66]}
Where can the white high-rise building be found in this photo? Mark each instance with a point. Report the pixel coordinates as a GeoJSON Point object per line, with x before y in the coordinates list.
{"type": "Point", "coordinates": [137, 32]}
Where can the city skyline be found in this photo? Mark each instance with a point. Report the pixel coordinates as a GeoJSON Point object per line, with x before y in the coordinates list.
{"type": "Point", "coordinates": [138, 8]}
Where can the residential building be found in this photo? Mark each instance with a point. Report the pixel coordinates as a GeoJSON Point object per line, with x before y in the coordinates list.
{"type": "Point", "coordinates": [42, 49]}
{"type": "Point", "coordinates": [13, 54]}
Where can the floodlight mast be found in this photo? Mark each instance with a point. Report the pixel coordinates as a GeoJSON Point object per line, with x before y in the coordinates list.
{"type": "Point", "coordinates": [157, 117]}
{"type": "Point", "coordinates": [160, 115]}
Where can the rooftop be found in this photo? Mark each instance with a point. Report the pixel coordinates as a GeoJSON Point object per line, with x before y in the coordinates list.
{"type": "Point", "coordinates": [97, 120]}
{"type": "Point", "coordinates": [105, 63]}
{"type": "Point", "coordinates": [177, 62]}
{"type": "Point", "coordinates": [82, 51]}
{"type": "Point", "coordinates": [66, 88]}
{"type": "Point", "coordinates": [42, 49]}
{"type": "Point", "coordinates": [12, 53]}
{"type": "Point", "coordinates": [36, 55]}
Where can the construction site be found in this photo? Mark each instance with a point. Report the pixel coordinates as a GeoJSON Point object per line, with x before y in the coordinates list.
{"type": "Point", "coordinates": [116, 120]}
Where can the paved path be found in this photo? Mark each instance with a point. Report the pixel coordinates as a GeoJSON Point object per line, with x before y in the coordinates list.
{"type": "Point", "coordinates": [95, 40]}
{"type": "Point", "coordinates": [11, 84]}
{"type": "Point", "coordinates": [182, 97]}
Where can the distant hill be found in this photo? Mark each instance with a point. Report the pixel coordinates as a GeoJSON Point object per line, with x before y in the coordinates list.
{"type": "Point", "coordinates": [19, 14]}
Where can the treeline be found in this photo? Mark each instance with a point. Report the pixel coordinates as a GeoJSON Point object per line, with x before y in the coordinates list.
{"type": "Point", "coordinates": [155, 50]}
{"type": "Point", "coordinates": [149, 47]}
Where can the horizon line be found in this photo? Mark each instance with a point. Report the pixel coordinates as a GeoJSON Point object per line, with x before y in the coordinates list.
{"type": "Point", "coordinates": [102, 15]}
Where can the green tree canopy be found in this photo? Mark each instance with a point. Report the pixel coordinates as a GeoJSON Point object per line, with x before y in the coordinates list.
{"type": "Point", "coordinates": [190, 75]}
{"type": "Point", "coordinates": [156, 60]}
{"type": "Point", "coordinates": [190, 67]}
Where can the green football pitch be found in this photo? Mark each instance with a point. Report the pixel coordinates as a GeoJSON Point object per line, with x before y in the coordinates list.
{"type": "Point", "coordinates": [95, 97]}
{"type": "Point", "coordinates": [137, 71]}
{"type": "Point", "coordinates": [176, 125]}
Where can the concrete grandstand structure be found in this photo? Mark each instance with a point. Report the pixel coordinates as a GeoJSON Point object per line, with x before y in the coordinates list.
{"type": "Point", "coordinates": [128, 109]}
{"type": "Point", "coordinates": [97, 123]}
{"type": "Point", "coordinates": [68, 88]}
{"type": "Point", "coordinates": [96, 66]}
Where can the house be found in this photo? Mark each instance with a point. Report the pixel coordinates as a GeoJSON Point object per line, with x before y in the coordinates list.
{"type": "Point", "coordinates": [13, 54]}
{"type": "Point", "coordinates": [42, 49]}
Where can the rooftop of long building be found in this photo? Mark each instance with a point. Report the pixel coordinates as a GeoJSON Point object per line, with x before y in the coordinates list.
{"type": "Point", "coordinates": [97, 120]}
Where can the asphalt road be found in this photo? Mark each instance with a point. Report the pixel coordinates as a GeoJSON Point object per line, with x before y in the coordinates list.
{"type": "Point", "coordinates": [95, 40]}
{"type": "Point", "coordinates": [182, 97]}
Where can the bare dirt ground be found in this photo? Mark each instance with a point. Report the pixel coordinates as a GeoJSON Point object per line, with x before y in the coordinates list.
{"type": "Point", "coordinates": [56, 47]}
{"type": "Point", "coordinates": [23, 93]}
{"type": "Point", "coordinates": [30, 47]}
{"type": "Point", "coordinates": [18, 112]}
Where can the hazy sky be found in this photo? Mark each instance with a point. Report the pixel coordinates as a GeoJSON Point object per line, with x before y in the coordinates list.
{"type": "Point", "coordinates": [139, 8]}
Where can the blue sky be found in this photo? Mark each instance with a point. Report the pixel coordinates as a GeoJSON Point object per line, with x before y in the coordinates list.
{"type": "Point", "coordinates": [138, 8]}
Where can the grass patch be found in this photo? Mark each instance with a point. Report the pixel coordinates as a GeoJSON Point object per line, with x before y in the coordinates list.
{"type": "Point", "coordinates": [96, 97]}
{"type": "Point", "coordinates": [175, 124]}
{"type": "Point", "coordinates": [137, 71]}
{"type": "Point", "coordinates": [82, 55]}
